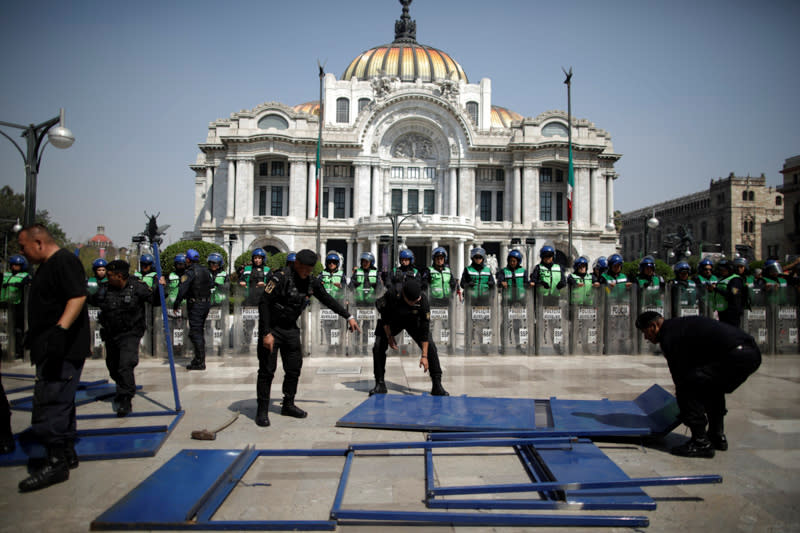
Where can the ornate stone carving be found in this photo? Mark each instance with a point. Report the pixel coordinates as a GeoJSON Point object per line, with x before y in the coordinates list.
{"type": "Point", "coordinates": [449, 89]}
{"type": "Point", "coordinates": [414, 146]}
{"type": "Point", "coordinates": [382, 85]}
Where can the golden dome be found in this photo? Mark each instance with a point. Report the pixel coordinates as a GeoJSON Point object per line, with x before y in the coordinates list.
{"type": "Point", "coordinates": [405, 58]}
{"type": "Point", "coordinates": [502, 117]}
{"type": "Point", "coordinates": [312, 108]}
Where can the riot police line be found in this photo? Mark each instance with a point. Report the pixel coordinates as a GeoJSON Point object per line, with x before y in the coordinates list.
{"type": "Point", "coordinates": [585, 320]}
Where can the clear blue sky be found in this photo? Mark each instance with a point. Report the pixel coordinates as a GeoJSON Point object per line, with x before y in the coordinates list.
{"type": "Point", "coordinates": [688, 90]}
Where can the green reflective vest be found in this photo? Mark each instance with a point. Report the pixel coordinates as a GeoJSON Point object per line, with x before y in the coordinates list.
{"type": "Point", "coordinates": [173, 283]}
{"type": "Point", "coordinates": [551, 276]}
{"type": "Point", "coordinates": [651, 295]}
{"type": "Point", "coordinates": [328, 279]}
{"type": "Point", "coordinates": [616, 285]}
{"type": "Point", "coordinates": [148, 278]}
{"type": "Point", "coordinates": [720, 302]}
{"type": "Point", "coordinates": [366, 285]}
{"type": "Point", "coordinates": [218, 292]}
{"type": "Point", "coordinates": [516, 284]}
{"type": "Point", "coordinates": [480, 279]}
{"type": "Point", "coordinates": [687, 293]}
{"type": "Point", "coordinates": [777, 292]}
{"type": "Point", "coordinates": [440, 283]}
{"type": "Point", "coordinates": [92, 284]}
{"type": "Point", "coordinates": [13, 287]}
{"type": "Point", "coordinates": [582, 292]}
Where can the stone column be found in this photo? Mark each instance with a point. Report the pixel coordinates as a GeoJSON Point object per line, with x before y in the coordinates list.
{"type": "Point", "coordinates": [297, 189]}
{"type": "Point", "coordinates": [452, 192]}
{"type": "Point", "coordinates": [311, 190]}
{"type": "Point", "coordinates": [516, 194]}
{"type": "Point", "coordinates": [375, 189]}
{"type": "Point", "coordinates": [386, 192]}
{"type": "Point", "coordinates": [244, 190]}
{"type": "Point", "coordinates": [609, 198]}
{"type": "Point", "coordinates": [348, 267]}
{"type": "Point", "coordinates": [209, 193]}
{"type": "Point", "coordinates": [229, 207]}
{"type": "Point", "coordinates": [466, 194]}
{"type": "Point", "coordinates": [361, 192]}
{"type": "Point", "coordinates": [530, 207]}
{"type": "Point", "coordinates": [457, 256]}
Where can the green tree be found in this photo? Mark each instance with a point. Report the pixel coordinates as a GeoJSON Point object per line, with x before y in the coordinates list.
{"type": "Point", "coordinates": [167, 255]}
{"type": "Point", "coordinates": [12, 207]}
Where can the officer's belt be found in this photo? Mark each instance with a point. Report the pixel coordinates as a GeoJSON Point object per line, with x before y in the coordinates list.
{"type": "Point", "coordinates": [199, 300]}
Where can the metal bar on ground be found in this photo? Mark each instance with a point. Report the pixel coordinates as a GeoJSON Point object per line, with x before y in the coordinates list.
{"type": "Point", "coordinates": [486, 519]}
{"type": "Point", "coordinates": [340, 490]}
{"type": "Point", "coordinates": [477, 443]}
{"type": "Point", "coordinates": [464, 435]}
{"type": "Point", "coordinates": [209, 502]}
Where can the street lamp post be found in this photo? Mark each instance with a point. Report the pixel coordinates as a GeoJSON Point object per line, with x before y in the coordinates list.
{"type": "Point", "coordinates": [396, 221]}
{"type": "Point", "coordinates": [59, 137]}
{"type": "Point", "coordinates": [652, 223]}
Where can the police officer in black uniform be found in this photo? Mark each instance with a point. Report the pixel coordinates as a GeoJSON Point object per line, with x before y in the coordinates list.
{"type": "Point", "coordinates": [195, 287]}
{"type": "Point", "coordinates": [283, 299]}
{"type": "Point", "coordinates": [707, 359]}
{"type": "Point", "coordinates": [122, 319]}
{"type": "Point", "coordinates": [407, 309]}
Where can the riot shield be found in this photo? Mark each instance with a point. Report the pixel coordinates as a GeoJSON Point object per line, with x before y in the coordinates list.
{"type": "Point", "coordinates": [149, 341]}
{"type": "Point", "coordinates": [6, 331]}
{"type": "Point", "coordinates": [516, 323]}
{"type": "Point", "coordinates": [217, 333]}
{"type": "Point", "coordinates": [97, 345]}
{"type": "Point", "coordinates": [178, 328]}
{"type": "Point", "coordinates": [245, 323]}
{"type": "Point", "coordinates": [783, 319]}
{"type": "Point", "coordinates": [328, 331]}
{"type": "Point", "coordinates": [647, 299]}
{"type": "Point", "coordinates": [705, 300]}
{"type": "Point", "coordinates": [366, 314]}
{"type": "Point", "coordinates": [442, 331]}
{"type": "Point", "coordinates": [480, 324]}
{"type": "Point", "coordinates": [683, 300]}
{"type": "Point", "coordinates": [586, 320]}
{"type": "Point", "coordinates": [618, 332]}
{"type": "Point", "coordinates": [552, 326]}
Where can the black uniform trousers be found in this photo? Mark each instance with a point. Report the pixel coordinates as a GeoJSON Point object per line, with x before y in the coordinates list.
{"type": "Point", "coordinates": [701, 391]}
{"type": "Point", "coordinates": [53, 416]}
{"type": "Point", "coordinates": [734, 318]}
{"type": "Point", "coordinates": [122, 356]}
{"type": "Point", "coordinates": [18, 313]}
{"type": "Point", "coordinates": [287, 340]}
{"type": "Point", "coordinates": [5, 413]}
{"type": "Point", "coordinates": [382, 344]}
{"type": "Point", "coordinates": [198, 311]}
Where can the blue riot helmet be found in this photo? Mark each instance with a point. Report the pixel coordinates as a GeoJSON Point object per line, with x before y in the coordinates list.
{"type": "Point", "coordinates": [215, 257]}
{"type": "Point", "coordinates": [601, 263]}
{"type": "Point", "coordinates": [615, 259]}
{"type": "Point", "coordinates": [259, 252]}
{"type": "Point", "coordinates": [98, 263]}
{"type": "Point", "coordinates": [705, 264]}
{"type": "Point", "coordinates": [367, 256]}
{"type": "Point", "coordinates": [547, 251]}
{"type": "Point", "coordinates": [581, 261]}
{"type": "Point", "coordinates": [477, 252]}
{"type": "Point", "coordinates": [439, 251]}
{"type": "Point", "coordinates": [772, 267]}
{"type": "Point", "coordinates": [146, 259]}
{"type": "Point", "coordinates": [516, 255]}
{"type": "Point", "coordinates": [407, 254]}
{"type": "Point", "coordinates": [647, 261]}
{"type": "Point", "coordinates": [740, 261]}
{"type": "Point", "coordinates": [291, 257]}
{"type": "Point", "coordinates": [332, 258]}
{"type": "Point", "coordinates": [192, 255]}
{"type": "Point", "coordinates": [682, 266]}
{"type": "Point", "coordinates": [180, 258]}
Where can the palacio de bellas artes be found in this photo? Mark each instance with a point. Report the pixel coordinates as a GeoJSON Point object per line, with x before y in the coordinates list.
{"type": "Point", "coordinates": [404, 130]}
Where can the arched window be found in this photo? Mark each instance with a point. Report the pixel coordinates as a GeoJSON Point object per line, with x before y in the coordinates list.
{"type": "Point", "coordinates": [342, 110]}
{"type": "Point", "coordinates": [362, 103]}
{"type": "Point", "coordinates": [752, 196]}
{"type": "Point", "coordinates": [555, 128]}
{"type": "Point", "coordinates": [744, 196]}
{"type": "Point", "coordinates": [779, 200]}
{"type": "Point", "coordinates": [273, 121]}
{"type": "Point", "coordinates": [472, 111]}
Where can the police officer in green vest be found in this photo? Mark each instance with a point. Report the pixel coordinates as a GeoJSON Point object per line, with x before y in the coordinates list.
{"type": "Point", "coordinates": [405, 271]}
{"type": "Point", "coordinates": [174, 278]}
{"type": "Point", "coordinates": [599, 266]}
{"type": "Point", "coordinates": [684, 291]}
{"type": "Point", "coordinates": [581, 283]}
{"type": "Point", "coordinates": [775, 285]}
{"type": "Point", "coordinates": [147, 272]}
{"type": "Point", "coordinates": [100, 279]}
{"type": "Point", "coordinates": [705, 280]}
{"type": "Point", "coordinates": [547, 276]}
{"type": "Point", "coordinates": [513, 278]}
{"type": "Point", "coordinates": [615, 280]}
{"type": "Point", "coordinates": [254, 276]}
{"type": "Point", "coordinates": [332, 278]}
{"type": "Point", "coordinates": [364, 280]}
{"type": "Point", "coordinates": [14, 283]}
{"type": "Point", "coordinates": [649, 284]}
{"type": "Point", "coordinates": [729, 293]}
{"type": "Point", "coordinates": [438, 280]}
{"type": "Point", "coordinates": [220, 287]}
{"type": "Point", "coordinates": [477, 278]}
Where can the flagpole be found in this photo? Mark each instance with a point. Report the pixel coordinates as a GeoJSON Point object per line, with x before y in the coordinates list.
{"type": "Point", "coordinates": [318, 172]}
{"type": "Point", "coordinates": [571, 173]}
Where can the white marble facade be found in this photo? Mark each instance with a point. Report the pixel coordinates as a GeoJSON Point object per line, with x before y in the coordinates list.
{"type": "Point", "coordinates": [395, 144]}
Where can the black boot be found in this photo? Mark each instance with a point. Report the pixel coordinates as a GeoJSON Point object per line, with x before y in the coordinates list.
{"type": "Point", "coordinates": [196, 364]}
{"type": "Point", "coordinates": [437, 389]}
{"type": "Point", "coordinates": [56, 470]}
{"type": "Point", "coordinates": [290, 409]}
{"type": "Point", "coordinates": [379, 388]}
{"type": "Point", "coordinates": [716, 433]}
{"type": "Point", "coordinates": [695, 447]}
{"type": "Point", "coordinates": [124, 407]}
{"type": "Point", "coordinates": [71, 456]}
{"type": "Point", "coordinates": [262, 414]}
{"type": "Point", "coordinates": [7, 444]}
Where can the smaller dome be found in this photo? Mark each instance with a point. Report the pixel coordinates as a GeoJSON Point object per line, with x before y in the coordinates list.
{"type": "Point", "coordinates": [502, 117]}
{"type": "Point", "coordinates": [311, 108]}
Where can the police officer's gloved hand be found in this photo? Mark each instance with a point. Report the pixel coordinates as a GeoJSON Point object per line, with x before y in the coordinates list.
{"type": "Point", "coordinates": [544, 284]}
{"type": "Point", "coordinates": [561, 284]}
{"type": "Point", "coordinates": [646, 284]}
{"type": "Point", "coordinates": [56, 341]}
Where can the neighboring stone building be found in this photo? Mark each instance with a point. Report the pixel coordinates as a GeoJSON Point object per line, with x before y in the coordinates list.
{"type": "Point", "coordinates": [403, 131]}
{"type": "Point", "coordinates": [791, 206]}
{"type": "Point", "coordinates": [728, 218]}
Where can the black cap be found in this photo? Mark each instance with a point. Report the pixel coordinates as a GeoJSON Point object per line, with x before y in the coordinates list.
{"type": "Point", "coordinates": [118, 265]}
{"type": "Point", "coordinates": [412, 289]}
{"type": "Point", "coordinates": [647, 318]}
{"type": "Point", "coordinates": [306, 257]}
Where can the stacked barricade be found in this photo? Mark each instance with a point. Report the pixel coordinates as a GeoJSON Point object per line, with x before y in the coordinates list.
{"type": "Point", "coordinates": [6, 331]}
{"type": "Point", "coordinates": [98, 347]}
{"type": "Point", "coordinates": [586, 319]}
{"type": "Point", "coordinates": [245, 321]}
